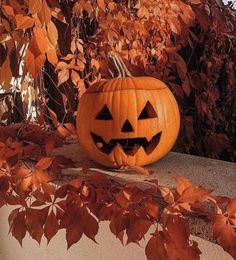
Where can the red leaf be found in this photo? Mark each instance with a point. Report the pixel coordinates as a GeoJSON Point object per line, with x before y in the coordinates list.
{"type": "Point", "coordinates": [35, 220]}
{"type": "Point", "coordinates": [152, 207]}
{"type": "Point", "coordinates": [155, 248]}
{"type": "Point", "coordinates": [90, 225]}
{"type": "Point", "coordinates": [137, 230]}
{"type": "Point", "coordinates": [51, 226]}
{"type": "Point", "coordinates": [74, 232]}
{"type": "Point", "coordinates": [19, 227]}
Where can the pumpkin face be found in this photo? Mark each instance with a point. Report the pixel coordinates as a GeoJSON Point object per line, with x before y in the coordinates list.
{"type": "Point", "coordinates": [127, 121]}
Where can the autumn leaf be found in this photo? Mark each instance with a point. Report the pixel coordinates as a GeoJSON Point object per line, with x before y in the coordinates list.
{"type": "Point", "coordinates": [18, 228]}
{"type": "Point", "coordinates": [73, 233]}
{"type": "Point", "coordinates": [224, 233]}
{"type": "Point", "coordinates": [66, 130]}
{"type": "Point", "coordinates": [52, 33]}
{"type": "Point", "coordinates": [101, 4]}
{"type": "Point", "coordinates": [63, 76]}
{"type": "Point", "coordinates": [45, 13]}
{"type": "Point", "coordinates": [90, 225]}
{"type": "Point", "coordinates": [51, 226]}
{"type": "Point", "coordinates": [137, 230]}
{"type": "Point", "coordinates": [183, 184]}
{"type": "Point", "coordinates": [43, 163]}
{"type": "Point", "coordinates": [155, 248]}
{"type": "Point", "coordinates": [231, 208]}
{"type": "Point", "coordinates": [35, 6]}
{"type": "Point", "coordinates": [49, 146]}
{"type": "Point", "coordinates": [35, 54]}
{"type": "Point", "coordinates": [193, 194]}
{"type": "Point", "coordinates": [23, 22]}
{"type": "Point", "coordinates": [35, 220]}
{"type": "Point", "coordinates": [152, 207]}
{"type": "Point", "coordinates": [9, 10]}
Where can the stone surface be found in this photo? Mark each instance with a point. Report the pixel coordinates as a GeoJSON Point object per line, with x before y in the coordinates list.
{"type": "Point", "coordinates": [216, 175]}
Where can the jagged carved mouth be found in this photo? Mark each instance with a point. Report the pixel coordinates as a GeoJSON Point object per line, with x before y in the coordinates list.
{"type": "Point", "coordinates": [129, 145]}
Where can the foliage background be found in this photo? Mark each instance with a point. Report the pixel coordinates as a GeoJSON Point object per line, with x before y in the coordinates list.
{"type": "Point", "coordinates": [51, 51]}
{"type": "Point", "coordinates": [62, 47]}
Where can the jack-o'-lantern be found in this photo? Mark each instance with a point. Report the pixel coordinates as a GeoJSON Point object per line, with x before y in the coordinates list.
{"type": "Point", "coordinates": [127, 121]}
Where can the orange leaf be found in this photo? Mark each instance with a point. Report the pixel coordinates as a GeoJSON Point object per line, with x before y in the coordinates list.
{"type": "Point", "coordinates": [52, 33]}
{"type": "Point", "coordinates": [183, 184]}
{"type": "Point", "coordinates": [35, 6]}
{"type": "Point", "coordinates": [45, 13]}
{"type": "Point", "coordinates": [23, 22]}
{"type": "Point", "coordinates": [52, 57]}
{"type": "Point", "coordinates": [63, 76]}
{"type": "Point", "coordinates": [101, 4]}
{"type": "Point", "coordinates": [44, 163]}
{"type": "Point", "coordinates": [49, 146]}
{"type": "Point", "coordinates": [225, 234]}
{"type": "Point", "coordinates": [231, 207]}
{"type": "Point", "coordinates": [193, 194]}
{"type": "Point", "coordinates": [66, 130]}
{"type": "Point", "coordinates": [9, 10]}
{"type": "Point", "coordinates": [35, 54]}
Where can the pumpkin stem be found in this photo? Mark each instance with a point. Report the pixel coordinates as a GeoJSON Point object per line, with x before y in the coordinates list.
{"type": "Point", "coordinates": [119, 64]}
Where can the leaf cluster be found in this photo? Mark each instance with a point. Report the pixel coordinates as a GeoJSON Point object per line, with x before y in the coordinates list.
{"type": "Point", "coordinates": [55, 49]}
{"type": "Point", "coordinates": [45, 201]}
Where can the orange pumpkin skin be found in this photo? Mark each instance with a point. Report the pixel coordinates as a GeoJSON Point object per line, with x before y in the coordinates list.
{"type": "Point", "coordinates": [127, 121]}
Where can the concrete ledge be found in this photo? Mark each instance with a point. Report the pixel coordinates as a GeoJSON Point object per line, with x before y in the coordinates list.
{"type": "Point", "coordinates": [216, 175]}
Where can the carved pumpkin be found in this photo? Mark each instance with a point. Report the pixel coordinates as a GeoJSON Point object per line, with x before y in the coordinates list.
{"type": "Point", "coordinates": [127, 121]}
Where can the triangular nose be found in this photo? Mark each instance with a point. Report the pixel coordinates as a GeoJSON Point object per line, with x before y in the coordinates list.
{"type": "Point", "coordinates": [127, 127]}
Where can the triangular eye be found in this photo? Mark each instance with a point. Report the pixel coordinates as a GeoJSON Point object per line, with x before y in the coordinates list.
{"type": "Point", "coordinates": [147, 112]}
{"type": "Point", "coordinates": [104, 114]}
